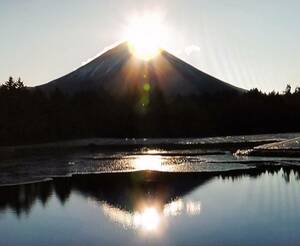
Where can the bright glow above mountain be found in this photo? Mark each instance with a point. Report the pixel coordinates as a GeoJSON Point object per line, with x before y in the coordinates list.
{"type": "Point", "coordinates": [145, 35]}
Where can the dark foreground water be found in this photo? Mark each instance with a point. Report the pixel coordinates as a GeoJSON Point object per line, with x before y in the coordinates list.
{"type": "Point", "coordinates": [240, 207]}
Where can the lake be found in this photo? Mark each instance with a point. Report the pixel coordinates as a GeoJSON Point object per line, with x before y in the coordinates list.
{"type": "Point", "coordinates": [149, 197]}
{"type": "Point", "coordinates": [245, 207]}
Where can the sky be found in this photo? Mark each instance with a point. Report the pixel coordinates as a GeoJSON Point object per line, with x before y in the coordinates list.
{"type": "Point", "coordinates": [248, 43]}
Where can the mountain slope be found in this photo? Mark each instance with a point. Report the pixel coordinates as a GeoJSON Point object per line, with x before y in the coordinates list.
{"type": "Point", "coordinates": [118, 71]}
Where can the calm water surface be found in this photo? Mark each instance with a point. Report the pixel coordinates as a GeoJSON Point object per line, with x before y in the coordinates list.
{"type": "Point", "coordinates": [242, 207]}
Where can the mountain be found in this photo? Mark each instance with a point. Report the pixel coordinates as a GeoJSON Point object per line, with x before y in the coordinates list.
{"type": "Point", "coordinates": [118, 71]}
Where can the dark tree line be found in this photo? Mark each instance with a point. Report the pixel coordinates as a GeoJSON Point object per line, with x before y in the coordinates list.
{"type": "Point", "coordinates": [31, 116]}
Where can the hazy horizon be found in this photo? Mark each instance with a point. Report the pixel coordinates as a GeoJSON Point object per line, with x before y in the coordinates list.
{"type": "Point", "coordinates": [247, 43]}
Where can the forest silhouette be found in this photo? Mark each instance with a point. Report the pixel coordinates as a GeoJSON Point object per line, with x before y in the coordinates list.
{"type": "Point", "coordinates": [29, 115]}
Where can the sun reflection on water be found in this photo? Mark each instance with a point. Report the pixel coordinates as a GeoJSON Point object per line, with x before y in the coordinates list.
{"type": "Point", "coordinates": [147, 208]}
{"type": "Point", "coordinates": [148, 219]}
{"type": "Point", "coordinates": [148, 162]}
{"type": "Point", "coordinates": [151, 218]}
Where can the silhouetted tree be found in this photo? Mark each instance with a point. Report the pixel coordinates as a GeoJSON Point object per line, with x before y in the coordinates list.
{"type": "Point", "coordinates": [19, 84]}
{"type": "Point", "coordinates": [11, 84]}
{"type": "Point", "coordinates": [288, 90]}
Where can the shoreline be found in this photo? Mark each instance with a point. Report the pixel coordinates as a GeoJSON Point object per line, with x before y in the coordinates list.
{"type": "Point", "coordinates": [145, 176]}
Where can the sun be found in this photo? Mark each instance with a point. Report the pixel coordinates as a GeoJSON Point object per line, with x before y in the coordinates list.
{"type": "Point", "coordinates": [145, 35]}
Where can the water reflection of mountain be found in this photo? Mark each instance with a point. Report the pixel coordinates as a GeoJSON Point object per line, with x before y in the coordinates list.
{"type": "Point", "coordinates": [123, 190]}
